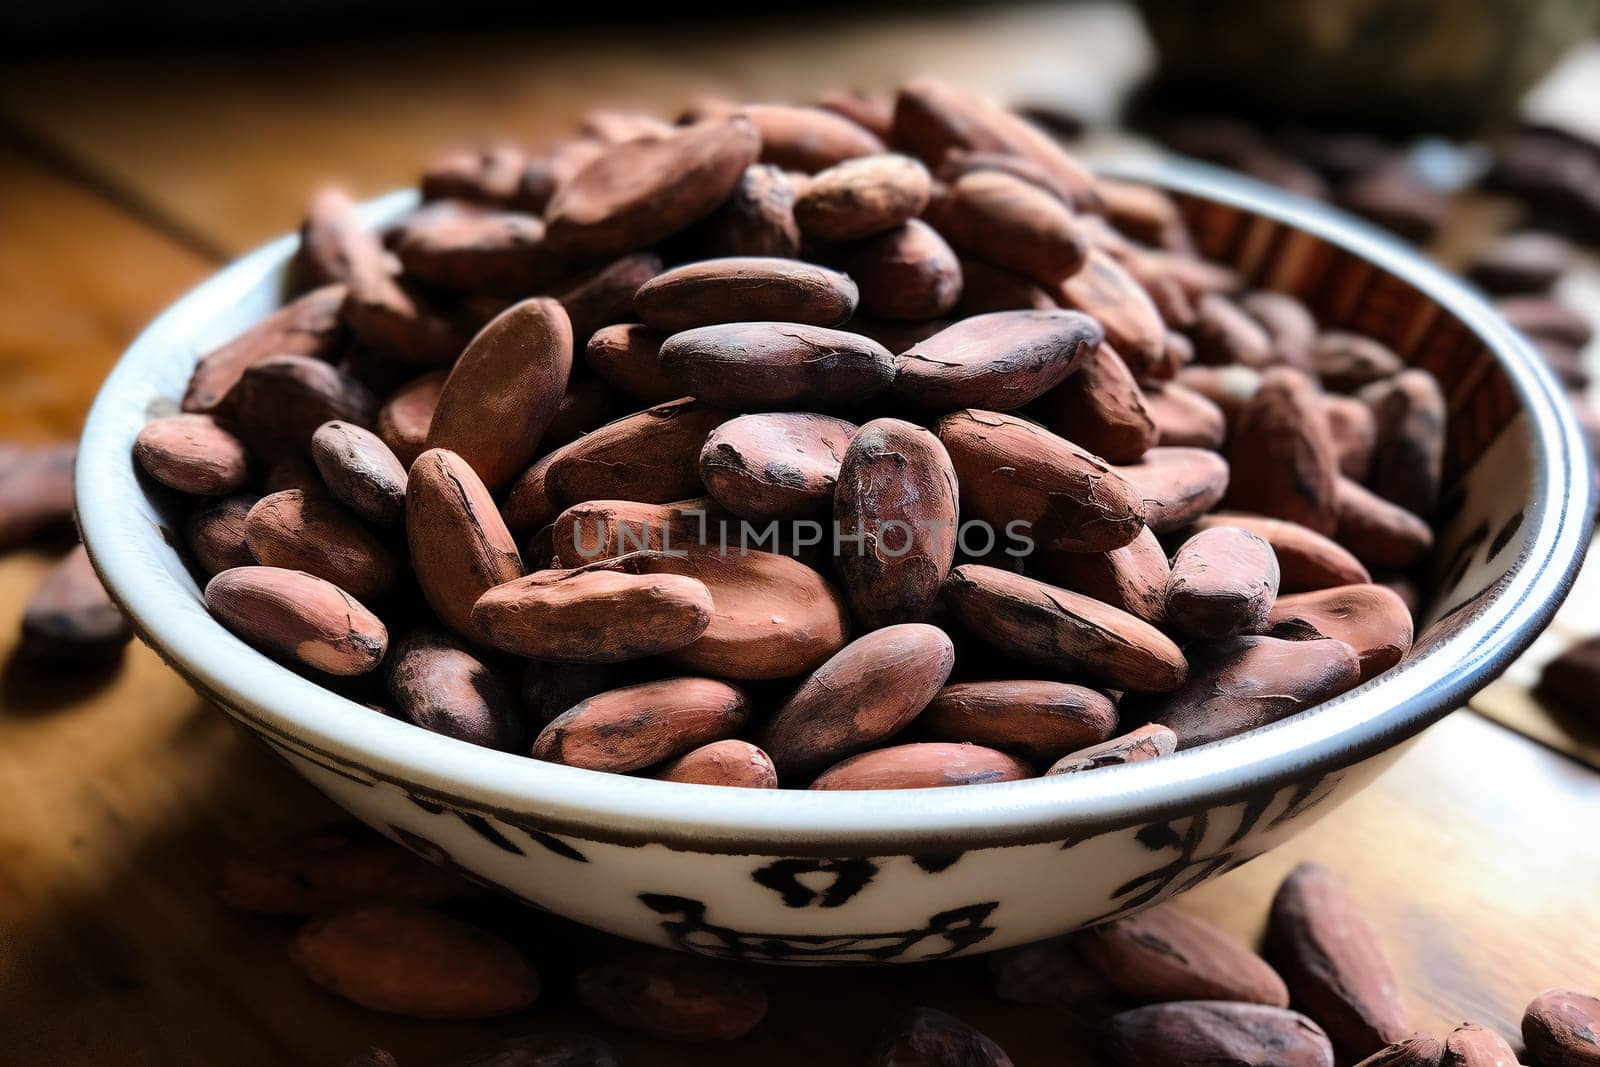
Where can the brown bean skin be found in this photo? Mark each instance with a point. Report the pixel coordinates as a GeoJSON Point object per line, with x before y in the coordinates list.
{"type": "Point", "coordinates": [1184, 418]}
{"type": "Point", "coordinates": [867, 692]}
{"type": "Point", "coordinates": [627, 356]}
{"type": "Point", "coordinates": [309, 325]}
{"type": "Point", "coordinates": [488, 175]}
{"type": "Point", "coordinates": [1163, 954]}
{"type": "Point", "coordinates": [504, 391]}
{"type": "Point", "coordinates": [215, 533]}
{"type": "Point", "coordinates": [1250, 681]}
{"type": "Point", "coordinates": [1133, 577]}
{"type": "Point", "coordinates": [897, 490]}
{"type": "Point", "coordinates": [1177, 485]}
{"type": "Point", "coordinates": [923, 765]}
{"type": "Point", "coordinates": [636, 193]}
{"type": "Point", "coordinates": [808, 139]}
{"type": "Point", "coordinates": [1186, 1032]}
{"type": "Point", "coordinates": [1562, 1029]}
{"type": "Point", "coordinates": [1010, 469]}
{"type": "Point", "coordinates": [592, 615]}
{"type": "Point", "coordinates": [745, 289]}
{"type": "Point", "coordinates": [772, 616]}
{"type": "Point", "coordinates": [604, 296]}
{"type": "Point", "coordinates": [1224, 582]}
{"type": "Point", "coordinates": [1229, 388]}
{"type": "Point", "coordinates": [360, 472]}
{"type": "Point", "coordinates": [908, 272]}
{"type": "Point", "coordinates": [986, 288]}
{"type": "Point", "coordinates": [1100, 407]}
{"type": "Point", "coordinates": [756, 366]}
{"type": "Point", "coordinates": [1058, 628]}
{"type": "Point", "coordinates": [627, 729]}
{"type": "Point", "coordinates": [472, 250]}
{"type": "Point", "coordinates": [386, 314]}
{"type": "Point", "coordinates": [36, 494]}
{"type": "Point", "coordinates": [460, 547]}
{"type": "Point", "coordinates": [1307, 560]}
{"type": "Point", "coordinates": [406, 960]}
{"type": "Point", "coordinates": [924, 1037]}
{"type": "Point", "coordinates": [439, 685]}
{"type": "Point", "coordinates": [779, 465]}
{"type": "Point", "coordinates": [1470, 1045]}
{"type": "Point", "coordinates": [1346, 361]}
{"type": "Point", "coordinates": [1408, 460]}
{"type": "Point", "coordinates": [758, 217]}
{"type": "Point", "coordinates": [932, 117]}
{"type": "Point", "coordinates": [1288, 323]}
{"type": "Point", "coordinates": [1372, 619]}
{"type": "Point", "coordinates": [673, 996]}
{"type": "Point", "coordinates": [1333, 962]}
{"type": "Point", "coordinates": [405, 417]}
{"type": "Point", "coordinates": [70, 618]}
{"type": "Point", "coordinates": [193, 454]}
{"type": "Point", "coordinates": [1224, 334]}
{"type": "Point", "coordinates": [1284, 460]}
{"type": "Point", "coordinates": [734, 763]}
{"type": "Point", "coordinates": [997, 362]}
{"type": "Point", "coordinates": [1148, 742]}
{"type": "Point", "coordinates": [652, 456]}
{"type": "Point", "coordinates": [1355, 434]}
{"type": "Point", "coordinates": [1039, 721]}
{"type": "Point", "coordinates": [309, 532]}
{"type": "Point", "coordinates": [1380, 534]}
{"type": "Point", "coordinates": [1006, 221]}
{"type": "Point", "coordinates": [279, 403]}
{"type": "Point", "coordinates": [298, 617]}
{"type": "Point", "coordinates": [1419, 1050]}
{"type": "Point", "coordinates": [604, 529]}
{"type": "Point", "coordinates": [862, 197]}
{"type": "Point", "coordinates": [327, 869]}
{"type": "Point", "coordinates": [869, 111]}
{"type": "Point", "coordinates": [1107, 293]}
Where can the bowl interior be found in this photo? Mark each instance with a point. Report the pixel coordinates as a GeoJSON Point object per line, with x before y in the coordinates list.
{"type": "Point", "coordinates": [1516, 523]}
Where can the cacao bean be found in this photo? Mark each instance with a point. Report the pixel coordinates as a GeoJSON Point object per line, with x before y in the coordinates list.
{"type": "Point", "coordinates": [1284, 461]}
{"type": "Point", "coordinates": [439, 685]}
{"type": "Point", "coordinates": [862, 197]}
{"type": "Point", "coordinates": [1562, 1029]}
{"type": "Point", "coordinates": [745, 289]}
{"type": "Point", "coordinates": [1036, 720]}
{"type": "Point", "coordinates": [1224, 582]}
{"type": "Point", "coordinates": [1177, 485]}
{"type": "Point", "coordinates": [924, 1037]}
{"type": "Point", "coordinates": [673, 996]}
{"type": "Point", "coordinates": [782, 465]}
{"type": "Point", "coordinates": [592, 615]}
{"type": "Point", "coordinates": [460, 547]}
{"type": "Point", "coordinates": [302, 531]}
{"type": "Point", "coordinates": [1100, 408]}
{"type": "Point", "coordinates": [1371, 619]}
{"type": "Point", "coordinates": [70, 618]}
{"type": "Point", "coordinates": [193, 454]}
{"type": "Point", "coordinates": [360, 472]}
{"type": "Point", "coordinates": [1194, 1032]}
{"type": "Point", "coordinates": [1148, 742]}
{"type": "Point", "coordinates": [298, 617]}
{"type": "Point", "coordinates": [1307, 560]}
{"type": "Point", "coordinates": [727, 763]}
{"type": "Point", "coordinates": [923, 765]}
{"type": "Point", "coordinates": [327, 870]}
{"type": "Point", "coordinates": [757, 366]}
{"type": "Point", "coordinates": [309, 325]}
{"type": "Point", "coordinates": [1162, 954]}
{"type": "Point", "coordinates": [627, 729]}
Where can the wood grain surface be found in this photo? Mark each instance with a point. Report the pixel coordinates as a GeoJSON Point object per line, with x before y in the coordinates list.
{"type": "Point", "coordinates": [121, 792]}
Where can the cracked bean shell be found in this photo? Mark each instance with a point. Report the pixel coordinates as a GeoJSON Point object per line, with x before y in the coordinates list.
{"type": "Point", "coordinates": [756, 366]}
{"type": "Point", "coordinates": [745, 289]}
{"type": "Point", "coordinates": [897, 490]}
{"type": "Point", "coordinates": [867, 692]}
{"type": "Point", "coordinates": [997, 362]}
{"type": "Point", "coordinates": [460, 547]}
{"type": "Point", "coordinates": [627, 729]}
{"type": "Point", "coordinates": [298, 617]}
{"type": "Point", "coordinates": [592, 615]}
{"type": "Point", "coordinates": [1013, 470]}
{"type": "Point", "coordinates": [1562, 1029]}
{"type": "Point", "coordinates": [1058, 628]}
{"type": "Point", "coordinates": [1148, 742]}
{"type": "Point", "coordinates": [1133, 577]}
{"type": "Point", "coordinates": [652, 456]}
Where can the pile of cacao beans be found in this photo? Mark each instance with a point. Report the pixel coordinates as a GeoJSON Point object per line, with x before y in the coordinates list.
{"type": "Point", "coordinates": [947, 461]}
{"type": "Point", "coordinates": [1161, 988]}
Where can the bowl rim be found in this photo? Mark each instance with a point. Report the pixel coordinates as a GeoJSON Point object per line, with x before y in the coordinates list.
{"type": "Point", "coordinates": [299, 714]}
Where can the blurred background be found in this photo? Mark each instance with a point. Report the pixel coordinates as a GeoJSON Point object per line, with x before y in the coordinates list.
{"type": "Point", "coordinates": [143, 146]}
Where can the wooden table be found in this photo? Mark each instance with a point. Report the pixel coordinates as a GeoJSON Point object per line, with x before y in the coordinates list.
{"type": "Point", "coordinates": [125, 182]}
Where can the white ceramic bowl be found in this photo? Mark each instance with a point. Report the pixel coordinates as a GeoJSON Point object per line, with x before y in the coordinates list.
{"type": "Point", "coordinates": [799, 876]}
